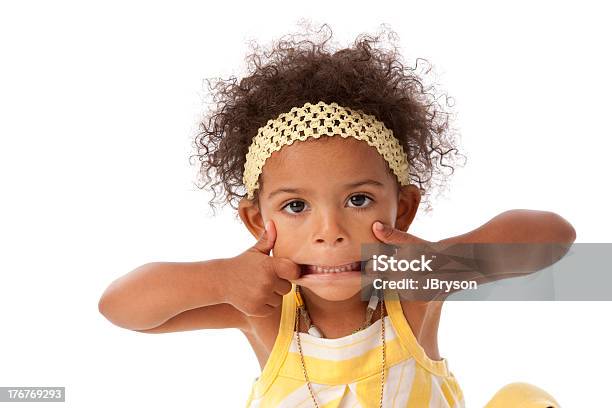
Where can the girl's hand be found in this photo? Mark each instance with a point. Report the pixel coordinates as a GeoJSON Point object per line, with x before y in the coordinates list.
{"type": "Point", "coordinates": [256, 281]}
{"type": "Point", "coordinates": [408, 247]}
{"type": "Point", "coordinates": [457, 266]}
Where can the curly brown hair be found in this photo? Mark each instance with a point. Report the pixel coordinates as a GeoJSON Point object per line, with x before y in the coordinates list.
{"type": "Point", "coordinates": [294, 72]}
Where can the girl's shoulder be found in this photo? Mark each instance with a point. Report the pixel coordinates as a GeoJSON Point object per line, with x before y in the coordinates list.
{"type": "Point", "coordinates": [424, 320]}
{"type": "Point", "coordinates": [261, 332]}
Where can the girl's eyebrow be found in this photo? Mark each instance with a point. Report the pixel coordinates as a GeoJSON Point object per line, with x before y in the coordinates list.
{"type": "Point", "coordinates": [373, 182]}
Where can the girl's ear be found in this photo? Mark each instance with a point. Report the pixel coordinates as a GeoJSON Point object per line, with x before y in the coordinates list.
{"type": "Point", "coordinates": [251, 217]}
{"type": "Point", "coordinates": [408, 201]}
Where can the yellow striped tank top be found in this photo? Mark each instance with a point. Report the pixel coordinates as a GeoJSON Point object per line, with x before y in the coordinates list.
{"type": "Point", "coordinates": [346, 371]}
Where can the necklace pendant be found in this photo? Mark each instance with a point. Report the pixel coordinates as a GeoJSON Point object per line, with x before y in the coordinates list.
{"type": "Point", "coordinates": [313, 331]}
{"type": "Point", "coordinates": [373, 301]}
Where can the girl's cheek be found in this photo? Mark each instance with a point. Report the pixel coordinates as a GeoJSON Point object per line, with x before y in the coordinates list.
{"type": "Point", "coordinates": [282, 251]}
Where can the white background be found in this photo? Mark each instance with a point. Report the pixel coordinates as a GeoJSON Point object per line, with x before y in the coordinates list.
{"type": "Point", "coordinates": [99, 103]}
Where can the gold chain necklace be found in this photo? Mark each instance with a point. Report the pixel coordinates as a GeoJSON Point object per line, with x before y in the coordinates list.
{"type": "Point", "coordinates": [300, 303]}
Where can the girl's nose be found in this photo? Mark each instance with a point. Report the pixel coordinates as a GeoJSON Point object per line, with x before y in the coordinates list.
{"type": "Point", "coordinates": [329, 231]}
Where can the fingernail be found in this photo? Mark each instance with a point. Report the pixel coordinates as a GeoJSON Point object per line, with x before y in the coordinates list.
{"type": "Point", "coordinates": [378, 226]}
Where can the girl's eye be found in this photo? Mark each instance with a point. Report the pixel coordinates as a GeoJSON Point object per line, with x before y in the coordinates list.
{"type": "Point", "coordinates": [358, 200]}
{"type": "Point", "coordinates": [296, 205]}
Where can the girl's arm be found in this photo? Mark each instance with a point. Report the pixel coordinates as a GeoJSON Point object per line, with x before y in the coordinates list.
{"type": "Point", "coordinates": [538, 239]}
{"type": "Point", "coordinates": [171, 296]}
{"type": "Point", "coordinates": [162, 297]}
{"type": "Point", "coordinates": [520, 226]}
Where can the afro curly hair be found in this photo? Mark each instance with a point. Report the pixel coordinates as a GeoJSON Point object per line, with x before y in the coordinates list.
{"type": "Point", "coordinates": [293, 72]}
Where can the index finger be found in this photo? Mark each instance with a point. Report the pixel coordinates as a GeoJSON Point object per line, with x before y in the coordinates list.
{"type": "Point", "coordinates": [391, 235]}
{"type": "Point", "coordinates": [287, 269]}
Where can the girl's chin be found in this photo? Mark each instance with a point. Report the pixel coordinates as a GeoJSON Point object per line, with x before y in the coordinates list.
{"type": "Point", "coordinates": [333, 286]}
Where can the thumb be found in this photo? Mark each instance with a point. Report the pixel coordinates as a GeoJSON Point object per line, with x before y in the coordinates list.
{"type": "Point", "coordinates": [266, 240]}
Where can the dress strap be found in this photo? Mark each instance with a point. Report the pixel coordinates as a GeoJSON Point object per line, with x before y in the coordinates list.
{"type": "Point", "coordinates": [407, 337]}
{"type": "Point", "coordinates": [281, 344]}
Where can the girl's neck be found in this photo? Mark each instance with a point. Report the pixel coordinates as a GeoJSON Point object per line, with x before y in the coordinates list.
{"type": "Point", "coordinates": [336, 318]}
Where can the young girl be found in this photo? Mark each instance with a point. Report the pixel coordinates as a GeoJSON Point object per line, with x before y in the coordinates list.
{"type": "Point", "coordinates": [323, 151]}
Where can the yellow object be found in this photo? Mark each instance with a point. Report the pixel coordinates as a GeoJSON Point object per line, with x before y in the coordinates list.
{"type": "Point", "coordinates": [522, 395]}
{"type": "Point", "coordinates": [319, 120]}
{"type": "Point", "coordinates": [298, 298]}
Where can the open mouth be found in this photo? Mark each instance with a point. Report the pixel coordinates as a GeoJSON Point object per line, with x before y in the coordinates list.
{"type": "Point", "coordinates": [315, 269]}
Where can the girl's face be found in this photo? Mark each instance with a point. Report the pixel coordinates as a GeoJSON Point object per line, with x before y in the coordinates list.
{"type": "Point", "coordinates": [323, 196]}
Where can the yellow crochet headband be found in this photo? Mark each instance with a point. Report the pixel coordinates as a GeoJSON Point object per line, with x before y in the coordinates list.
{"type": "Point", "coordinates": [315, 121]}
